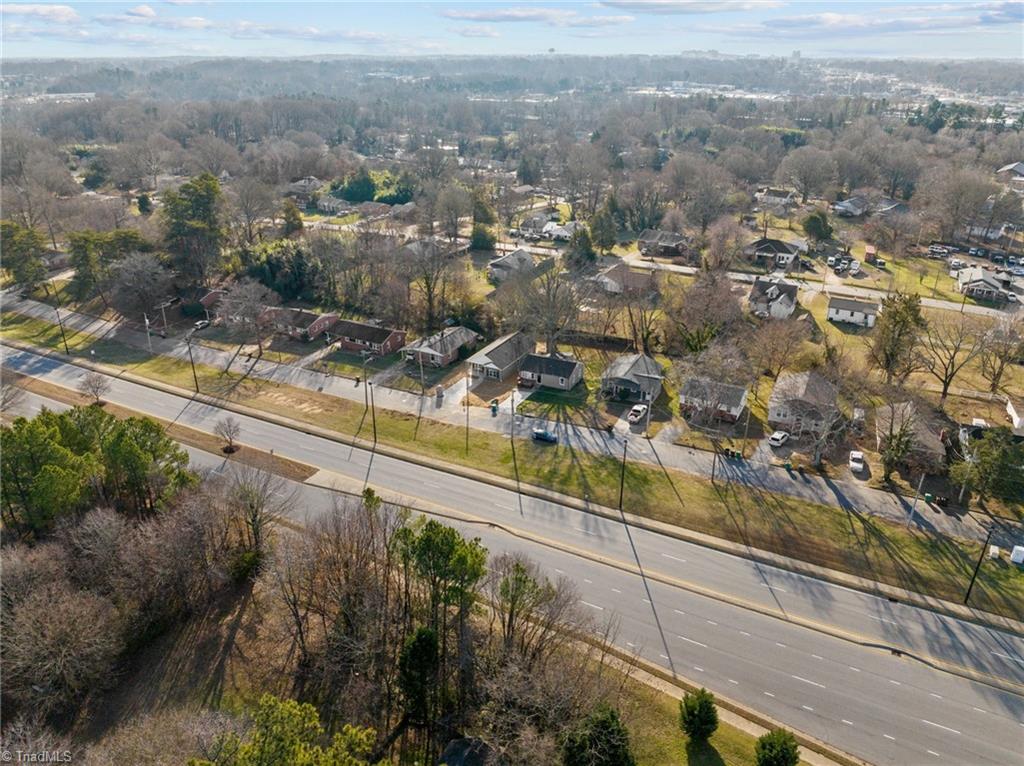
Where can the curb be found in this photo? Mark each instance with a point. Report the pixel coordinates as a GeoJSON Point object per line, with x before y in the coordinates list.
{"type": "Point", "coordinates": [871, 587]}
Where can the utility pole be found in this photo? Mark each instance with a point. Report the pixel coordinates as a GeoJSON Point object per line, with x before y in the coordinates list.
{"type": "Point", "coordinates": [913, 507]}
{"type": "Point", "coordinates": [373, 413]}
{"type": "Point", "coordinates": [467, 413]}
{"type": "Point", "coordinates": [622, 473]}
{"type": "Point", "coordinates": [63, 337]}
{"type": "Point", "coordinates": [977, 567]}
{"type": "Point", "coordinates": [149, 337]}
{"type": "Point", "coordinates": [512, 442]}
{"type": "Point", "coordinates": [195, 378]}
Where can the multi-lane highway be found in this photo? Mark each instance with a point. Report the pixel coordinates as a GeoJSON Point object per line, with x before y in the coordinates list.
{"type": "Point", "coordinates": [866, 701]}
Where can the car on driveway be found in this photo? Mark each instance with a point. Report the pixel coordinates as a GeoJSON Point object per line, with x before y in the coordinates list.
{"type": "Point", "coordinates": [202, 324]}
{"type": "Point", "coordinates": [856, 461]}
{"type": "Point", "coordinates": [637, 414]}
{"type": "Point", "coordinates": [778, 438]}
{"type": "Point", "coordinates": [543, 435]}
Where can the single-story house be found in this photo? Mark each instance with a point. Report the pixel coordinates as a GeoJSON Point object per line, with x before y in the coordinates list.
{"type": "Point", "coordinates": [363, 336]}
{"type": "Point", "coordinates": [665, 244]}
{"type": "Point", "coordinates": [851, 207]}
{"type": "Point", "coordinates": [723, 401]}
{"type": "Point", "coordinates": [403, 212]}
{"type": "Point", "coordinates": [851, 311]}
{"type": "Point", "coordinates": [885, 206]}
{"type": "Point", "coordinates": [558, 372]}
{"type": "Point", "coordinates": [978, 283]}
{"type": "Point", "coordinates": [423, 248]}
{"type": "Point", "coordinates": [927, 450]}
{"type": "Point", "coordinates": [517, 262]}
{"type": "Point", "coordinates": [1013, 176]}
{"type": "Point", "coordinates": [561, 232]}
{"type": "Point", "coordinates": [501, 357]}
{"type": "Point", "coordinates": [633, 376]}
{"type": "Point", "coordinates": [802, 402]}
{"type": "Point", "coordinates": [333, 205]}
{"type": "Point", "coordinates": [1015, 412]}
{"type": "Point", "coordinates": [298, 323]}
{"type": "Point", "coordinates": [781, 254]}
{"type": "Point", "coordinates": [522, 190]}
{"type": "Point", "coordinates": [535, 222]}
{"type": "Point", "coordinates": [211, 300]}
{"type": "Point", "coordinates": [772, 197]}
{"type": "Point", "coordinates": [772, 298]}
{"type": "Point", "coordinates": [620, 279]}
{"type": "Point", "coordinates": [441, 348]}
{"type": "Point", "coordinates": [373, 209]}
{"type": "Point", "coordinates": [304, 189]}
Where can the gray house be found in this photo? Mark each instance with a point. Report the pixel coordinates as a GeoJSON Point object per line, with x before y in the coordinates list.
{"type": "Point", "coordinates": [633, 376]}
{"type": "Point", "coordinates": [501, 357]}
{"type": "Point", "coordinates": [713, 399]}
{"type": "Point", "coordinates": [517, 262]}
{"type": "Point", "coordinates": [802, 402]}
{"type": "Point", "coordinates": [550, 371]}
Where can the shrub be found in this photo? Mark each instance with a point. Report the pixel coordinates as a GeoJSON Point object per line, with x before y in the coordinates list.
{"type": "Point", "coordinates": [777, 748]}
{"type": "Point", "coordinates": [698, 717]}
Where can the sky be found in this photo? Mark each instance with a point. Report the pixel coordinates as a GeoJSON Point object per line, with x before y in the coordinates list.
{"type": "Point", "coordinates": [885, 28]}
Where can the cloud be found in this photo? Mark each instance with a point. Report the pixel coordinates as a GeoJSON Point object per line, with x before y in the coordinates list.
{"type": "Point", "coordinates": [144, 15]}
{"type": "Point", "coordinates": [58, 14]}
{"type": "Point", "coordinates": [248, 30]}
{"type": "Point", "coordinates": [476, 30]}
{"type": "Point", "coordinates": [667, 7]}
{"type": "Point", "coordinates": [142, 11]}
{"type": "Point", "coordinates": [554, 17]}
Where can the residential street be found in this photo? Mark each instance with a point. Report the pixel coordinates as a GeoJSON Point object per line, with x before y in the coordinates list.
{"type": "Point", "coordinates": [863, 700]}
{"type": "Point", "coordinates": [847, 494]}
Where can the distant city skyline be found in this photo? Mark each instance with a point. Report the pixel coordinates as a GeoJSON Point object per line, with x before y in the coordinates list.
{"type": "Point", "coordinates": [886, 29]}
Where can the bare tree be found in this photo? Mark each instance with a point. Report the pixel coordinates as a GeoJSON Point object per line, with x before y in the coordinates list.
{"type": "Point", "coordinates": [774, 344]}
{"type": "Point", "coordinates": [1001, 345]}
{"type": "Point", "coordinates": [228, 429]}
{"type": "Point", "coordinates": [725, 241]}
{"type": "Point", "coordinates": [547, 305]}
{"type": "Point", "coordinates": [951, 343]}
{"type": "Point", "coordinates": [808, 169]}
{"type": "Point", "coordinates": [896, 424]}
{"type": "Point", "coordinates": [429, 268]}
{"type": "Point", "coordinates": [138, 283]}
{"type": "Point", "coordinates": [11, 394]}
{"type": "Point", "coordinates": [259, 499]}
{"type": "Point", "coordinates": [454, 202]}
{"type": "Point", "coordinates": [94, 384]}
{"type": "Point", "coordinates": [700, 312]}
{"type": "Point", "coordinates": [252, 201]}
{"type": "Point", "coordinates": [247, 306]}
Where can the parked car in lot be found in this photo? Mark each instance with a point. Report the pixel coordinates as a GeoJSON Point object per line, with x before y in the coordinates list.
{"type": "Point", "coordinates": [856, 461]}
{"type": "Point", "coordinates": [854, 267]}
{"type": "Point", "coordinates": [778, 438]}
{"type": "Point", "coordinates": [1012, 298]}
{"type": "Point", "coordinates": [937, 250]}
{"type": "Point", "coordinates": [830, 261]}
{"type": "Point", "coordinates": [543, 435]}
{"type": "Point", "coordinates": [637, 414]}
{"type": "Point", "coordinates": [202, 324]}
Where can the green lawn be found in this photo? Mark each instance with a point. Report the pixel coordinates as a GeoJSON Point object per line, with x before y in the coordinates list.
{"type": "Point", "coordinates": [351, 365]}
{"type": "Point", "coordinates": [824, 535]}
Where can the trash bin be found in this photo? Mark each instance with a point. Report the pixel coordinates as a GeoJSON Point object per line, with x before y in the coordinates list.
{"type": "Point", "coordinates": [789, 466]}
{"type": "Point", "coordinates": [928, 497]}
{"type": "Point", "coordinates": [494, 406]}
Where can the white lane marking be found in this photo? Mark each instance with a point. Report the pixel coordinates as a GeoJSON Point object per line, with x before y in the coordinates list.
{"type": "Point", "coordinates": [616, 590]}
{"type": "Point", "coordinates": [588, 582]}
{"type": "Point", "coordinates": [817, 656]}
{"type": "Point", "coordinates": [1008, 657]}
{"type": "Point", "coordinates": [937, 696]}
{"type": "Point", "coordinates": [774, 587]}
{"type": "Point", "coordinates": [778, 644]}
{"type": "Point", "coordinates": [895, 683]}
{"type": "Point", "coordinates": [679, 611]}
{"type": "Point", "coordinates": [674, 558]}
{"type": "Point", "coordinates": [711, 622]}
{"type": "Point", "coordinates": [808, 681]}
{"type": "Point", "coordinates": [888, 737]}
{"type": "Point", "coordinates": [855, 670]}
{"type": "Point", "coordinates": [663, 656]}
{"type": "Point", "coordinates": [559, 570]}
{"type": "Point", "coordinates": [768, 694]}
{"type": "Point", "coordinates": [980, 710]}
{"type": "Point", "coordinates": [585, 531]}
{"type": "Point", "coordinates": [630, 643]}
{"type": "Point", "coordinates": [593, 606]}
{"type": "Point", "coordinates": [932, 752]}
{"type": "Point", "coordinates": [743, 632]}
{"type": "Point", "coordinates": [734, 682]}
{"type": "Point", "coordinates": [431, 484]}
{"type": "Point", "coordinates": [939, 726]}
{"type": "Point", "coordinates": [700, 670]}
{"type": "Point", "coordinates": [805, 707]}
{"type": "Point", "coordinates": [691, 641]}
{"type": "Point", "coordinates": [848, 723]}
{"type": "Point", "coordinates": [883, 619]}
{"type": "Point", "coordinates": [646, 600]}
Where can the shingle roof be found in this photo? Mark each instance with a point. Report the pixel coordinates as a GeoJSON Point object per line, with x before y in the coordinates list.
{"type": "Point", "coordinates": [443, 342]}
{"type": "Point", "coordinates": [712, 391]}
{"type": "Point", "coordinates": [361, 331]}
{"type": "Point", "coordinates": [558, 366]}
{"type": "Point", "coordinates": [772, 289]}
{"type": "Point", "coordinates": [775, 246]}
{"type": "Point", "coordinates": [504, 351]}
{"type": "Point", "coordinates": [810, 387]}
{"type": "Point", "coordinates": [849, 304]}
{"type": "Point", "coordinates": [661, 238]}
{"type": "Point", "coordinates": [639, 369]}
{"type": "Point", "coordinates": [517, 259]}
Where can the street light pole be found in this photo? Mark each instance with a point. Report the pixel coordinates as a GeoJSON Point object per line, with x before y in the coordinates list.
{"type": "Point", "coordinates": [63, 337]}
{"type": "Point", "coordinates": [622, 473]}
{"type": "Point", "coordinates": [195, 378]}
{"type": "Point", "coordinates": [149, 336]}
{"type": "Point", "coordinates": [977, 566]}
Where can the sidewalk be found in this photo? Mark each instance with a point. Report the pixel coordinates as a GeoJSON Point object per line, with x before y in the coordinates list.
{"type": "Point", "coordinates": [659, 452]}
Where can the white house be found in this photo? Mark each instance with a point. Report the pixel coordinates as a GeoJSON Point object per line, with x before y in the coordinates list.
{"type": "Point", "coordinates": [720, 400]}
{"type": "Point", "coordinates": [772, 298]}
{"type": "Point", "coordinates": [550, 371]}
{"type": "Point", "coordinates": [850, 311]}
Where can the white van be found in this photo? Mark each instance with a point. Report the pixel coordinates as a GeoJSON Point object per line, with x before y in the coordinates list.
{"type": "Point", "coordinates": [831, 261]}
{"type": "Point", "coordinates": [854, 267]}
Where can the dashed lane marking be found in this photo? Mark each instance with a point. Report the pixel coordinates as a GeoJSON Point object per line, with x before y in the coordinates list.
{"type": "Point", "coordinates": [887, 736]}
{"type": "Point", "coordinates": [848, 723]}
{"type": "Point", "coordinates": [691, 641]}
{"type": "Point", "coordinates": [768, 694]}
{"type": "Point", "coordinates": [939, 726]}
{"type": "Point", "coordinates": [674, 558]}
{"type": "Point", "coordinates": [805, 707]}
{"type": "Point", "coordinates": [592, 606]}
{"type": "Point", "coordinates": [808, 681]}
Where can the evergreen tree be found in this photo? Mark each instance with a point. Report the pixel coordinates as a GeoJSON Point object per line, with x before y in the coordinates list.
{"type": "Point", "coordinates": [22, 251]}
{"type": "Point", "coordinates": [600, 740]}
{"type": "Point", "coordinates": [603, 231]}
{"type": "Point", "coordinates": [894, 343]}
{"type": "Point", "coordinates": [418, 666]}
{"type": "Point", "coordinates": [292, 218]}
{"type": "Point", "coordinates": [777, 748]}
{"type": "Point", "coordinates": [698, 717]}
{"type": "Point", "coordinates": [194, 228]}
{"type": "Point", "coordinates": [817, 226]}
{"type": "Point", "coordinates": [145, 204]}
{"type": "Point", "coordinates": [581, 250]}
{"type": "Point", "coordinates": [481, 238]}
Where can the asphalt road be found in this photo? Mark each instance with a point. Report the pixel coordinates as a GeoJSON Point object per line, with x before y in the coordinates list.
{"type": "Point", "coordinates": [865, 701]}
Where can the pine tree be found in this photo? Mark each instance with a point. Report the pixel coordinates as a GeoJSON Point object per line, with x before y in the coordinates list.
{"type": "Point", "coordinates": [698, 717]}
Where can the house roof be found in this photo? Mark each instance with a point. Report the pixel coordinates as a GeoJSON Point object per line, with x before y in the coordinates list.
{"type": "Point", "coordinates": [306, 185]}
{"type": "Point", "coordinates": [629, 279]}
{"type": "Point", "coordinates": [849, 304]}
{"type": "Point", "coordinates": [559, 366]}
{"type": "Point", "coordinates": [767, 245]}
{"type": "Point", "coordinates": [641, 370]}
{"type": "Point", "coordinates": [770, 290]}
{"type": "Point", "coordinates": [808, 387]}
{"type": "Point", "coordinates": [369, 333]}
{"type": "Point", "coordinates": [773, 192]}
{"type": "Point", "coordinates": [444, 342]}
{"type": "Point", "coordinates": [711, 391]}
{"type": "Point", "coordinates": [504, 351]}
{"type": "Point", "coordinates": [514, 261]}
{"type": "Point", "coordinates": [422, 247]}
{"type": "Point", "coordinates": [298, 318]}
{"type": "Point", "coordinates": [661, 238]}
{"type": "Point", "coordinates": [854, 205]}
{"type": "Point", "coordinates": [1017, 168]}
{"type": "Point", "coordinates": [926, 435]}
